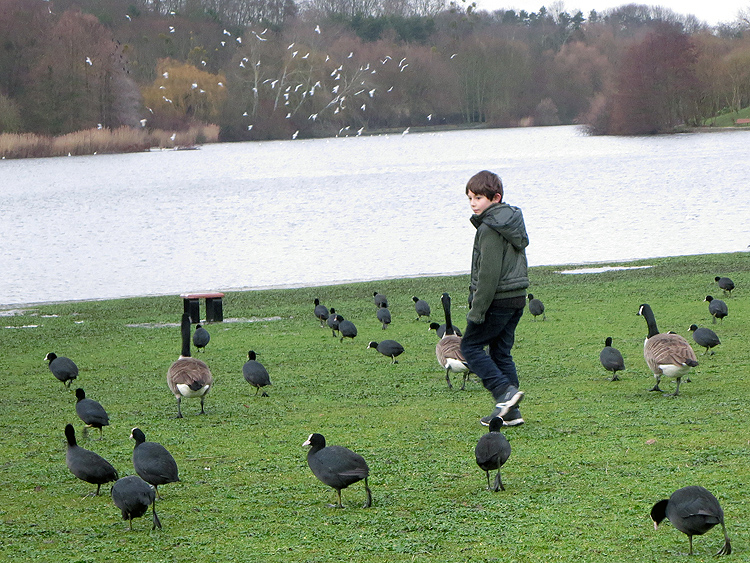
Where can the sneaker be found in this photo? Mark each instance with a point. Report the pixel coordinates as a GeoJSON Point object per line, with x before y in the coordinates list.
{"type": "Point", "coordinates": [513, 418]}
{"type": "Point", "coordinates": [509, 400]}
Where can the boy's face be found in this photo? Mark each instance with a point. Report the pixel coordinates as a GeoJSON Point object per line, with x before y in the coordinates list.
{"type": "Point", "coordinates": [480, 202]}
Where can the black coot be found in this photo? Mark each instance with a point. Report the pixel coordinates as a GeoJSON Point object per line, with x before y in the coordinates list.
{"type": "Point", "coordinates": [337, 466]}
{"type": "Point", "coordinates": [62, 368]}
{"type": "Point", "coordinates": [693, 511]}
{"type": "Point", "coordinates": [90, 412]}
{"type": "Point", "coordinates": [201, 337]}
{"type": "Point", "coordinates": [132, 495]}
{"type": "Point", "coordinates": [87, 465]}
{"type": "Point", "coordinates": [492, 451]}
{"type": "Point", "coordinates": [611, 359]}
{"type": "Point", "coordinates": [704, 337]}
{"type": "Point", "coordinates": [421, 307]}
{"type": "Point", "coordinates": [389, 348]}
{"type": "Point", "coordinates": [255, 373]}
{"type": "Point", "coordinates": [153, 463]}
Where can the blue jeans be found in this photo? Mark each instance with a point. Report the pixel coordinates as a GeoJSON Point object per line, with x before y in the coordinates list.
{"type": "Point", "coordinates": [498, 331]}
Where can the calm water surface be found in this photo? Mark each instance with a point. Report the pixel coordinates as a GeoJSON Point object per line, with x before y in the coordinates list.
{"type": "Point", "coordinates": [289, 213]}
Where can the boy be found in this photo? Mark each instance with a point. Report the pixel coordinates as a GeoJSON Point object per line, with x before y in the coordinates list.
{"type": "Point", "coordinates": [497, 294]}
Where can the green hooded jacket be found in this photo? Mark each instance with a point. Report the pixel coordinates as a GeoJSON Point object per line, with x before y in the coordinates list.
{"type": "Point", "coordinates": [499, 269]}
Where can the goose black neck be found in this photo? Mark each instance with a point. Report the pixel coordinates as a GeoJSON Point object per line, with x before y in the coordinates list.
{"type": "Point", "coordinates": [648, 314]}
{"type": "Point", "coordinates": [185, 331]}
{"type": "Point", "coordinates": [446, 299]}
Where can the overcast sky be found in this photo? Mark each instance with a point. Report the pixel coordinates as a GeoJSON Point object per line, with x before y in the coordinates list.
{"type": "Point", "coordinates": [712, 12]}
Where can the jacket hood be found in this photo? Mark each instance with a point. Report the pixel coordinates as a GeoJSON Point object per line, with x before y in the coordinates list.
{"type": "Point", "coordinates": [507, 221]}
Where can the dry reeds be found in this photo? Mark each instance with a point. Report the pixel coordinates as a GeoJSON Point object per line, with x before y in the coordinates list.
{"type": "Point", "coordinates": [196, 135]}
{"type": "Point", "coordinates": [102, 141]}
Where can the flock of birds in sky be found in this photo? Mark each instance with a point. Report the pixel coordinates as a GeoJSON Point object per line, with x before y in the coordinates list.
{"type": "Point", "coordinates": [345, 91]}
{"type": "Point", "coordinates": [692, 510]}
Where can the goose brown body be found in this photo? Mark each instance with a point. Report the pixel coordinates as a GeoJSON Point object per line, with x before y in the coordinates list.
{"type": "Point", "coordinates": [448, 349]}
{"type": "Point", "coordinates": [188, 376]}
{"type": "Point", "coordinates": [666, 354]}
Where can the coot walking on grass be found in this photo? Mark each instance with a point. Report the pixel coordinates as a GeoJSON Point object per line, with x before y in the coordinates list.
{"type": "Point", "coordinates": [255, 373]}
{"type": "Point", "coordinates": [87, 465]}
{"type": "Point", "coordinates": [62, 368]}
{"type": "Point", "coordinates": [389, 348]}
{"type": "Point", "coordinates": [90, 412]}
{"type": "Point", "coordinates": [611, 359]}
{"type": "Point", "coordinates": [337, 466]}
{"type": "Point", "coordinates": [153, 463]}
{"type": "Point", "coordinates": [492, 451]}
{"type": "Point", "coordinates": [132, 495]}
{"type": "Point", "coordinates": [704, 337]}
{"type": "Point", "coordinates": [201, 337]}
{"type": "Point", "coordinates": [536, 307]}
{"type": "Point", "coordinates": [693, 511]}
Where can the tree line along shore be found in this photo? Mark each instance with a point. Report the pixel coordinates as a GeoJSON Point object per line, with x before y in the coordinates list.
{"type": "Point", "coordinates": [173, 71]}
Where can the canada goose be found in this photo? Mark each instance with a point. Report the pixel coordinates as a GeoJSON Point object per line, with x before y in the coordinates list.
{"type": "Point", "coordinates": [389, 348]}
{"type": "Point", "coordinates": [717, 308]}
{"type": "Point", "coordinates": [666, 353]}
{"type": "Point", "coordinates": [379, 299]}
{"type": "Point", "coordinates": [693, 511]}
{"type": "Point", "coordinates": [421, 306]}
{"type": "Point", "coordinates": [201, 337]}
{"type": "Point", "coordinates": [346, 328]}
{"type": "Point", "coordinates": [611, 359]}
{"type": "Point", "coordinates": [187, 376]}
{"type": "Point", "coordinates": [132, 495]}
{"type": "Point", "coordinates": [255, 373]}
{"type": "Point", "coordinates": [90, 412]}
{"type": "Point", "coordinates": [85, 464]}
{"type": "Point", "coordinates": [492, 451]}
{"type": "Point", "coordinates": [332, 323]}
{"type": "Point", "coordinates": [337, 466]}
{"type": "Point", "coordinates": [440, 329]}
{"type": "Point", "coordinates": [704, 337]}
{"type": "Point", "coordinates": [152, 462]}
{"type": "Point", "coordinates": [725, 284]}
{"type": "Point", "coordinates": [448, 348]}
{"type": "Point", "coordinates": [384, 316]}
{"type": "Point", "coordinates": [320, 312]}
{"type": "Point", "coordinates": [62, 368]}
{"type": "Point", "coordinates": [536, 307]}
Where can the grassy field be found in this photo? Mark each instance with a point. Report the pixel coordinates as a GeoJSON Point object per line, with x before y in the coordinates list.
{"type": "Point", "coordinates": [587, 466]}
{"type": "Point", "coordinates": [729, 119]}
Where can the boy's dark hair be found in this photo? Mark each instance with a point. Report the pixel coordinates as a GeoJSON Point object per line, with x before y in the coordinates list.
{"type": "Point", "coordinates": [485, 183]}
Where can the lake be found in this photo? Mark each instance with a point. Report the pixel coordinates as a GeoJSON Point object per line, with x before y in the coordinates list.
{"type": "Point", "coordinates": [323, 211]}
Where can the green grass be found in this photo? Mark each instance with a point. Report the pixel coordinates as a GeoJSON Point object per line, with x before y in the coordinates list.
{"type": "Point", "coordinates": [729, 119]}
{"type": "Point", "coordinates": [585, 470]}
